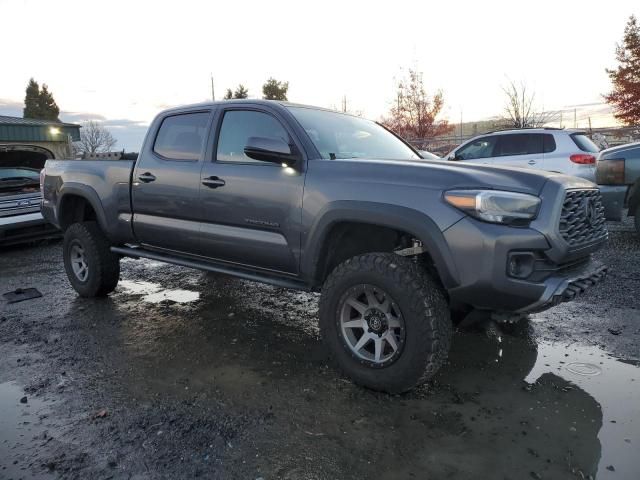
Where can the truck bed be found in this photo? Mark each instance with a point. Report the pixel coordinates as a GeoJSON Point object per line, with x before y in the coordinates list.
{"type": "Point", "coordinates": [104, 183]}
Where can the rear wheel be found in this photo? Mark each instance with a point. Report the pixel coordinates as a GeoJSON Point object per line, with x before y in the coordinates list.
{"type": "Point", "coordinates": [385, 322]}
{"type": "Point", "coordinates": [91, 267]}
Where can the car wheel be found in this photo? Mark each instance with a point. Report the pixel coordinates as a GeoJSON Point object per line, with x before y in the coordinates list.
{"type": "Point", "coordinates": [92, 268]}
{"type": "Point", "coordinates": [385, 322]}
{"type": "Point", "coordinates": [637, 220]}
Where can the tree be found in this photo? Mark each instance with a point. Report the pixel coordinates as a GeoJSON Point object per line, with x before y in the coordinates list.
{"type": "Point", "coordinates": [519, 108]}
{"type": "Point", "coordinates": [39, 102]}
{"type": "Point", "coordinates": [49, 110]}
{"type": "Point", "coordinates": [275, 90]}
{"type": "Point", "coordinates": [414, 114]}
{"type": "Point", "coordinates": [625, 96]}
{"type": "Point", "coordinates": [94, 138]}
{"type": "Point", "coordinates": [241, 92]}
{"type": "Point", "coordinates": [32, 100]}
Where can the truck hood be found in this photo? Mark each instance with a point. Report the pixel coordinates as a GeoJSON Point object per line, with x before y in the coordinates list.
{"type": "Point", "coordinates": [448, 175]}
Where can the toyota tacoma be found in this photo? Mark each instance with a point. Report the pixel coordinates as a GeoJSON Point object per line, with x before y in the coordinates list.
{"type": "Point", "coordinates": [306, 198]}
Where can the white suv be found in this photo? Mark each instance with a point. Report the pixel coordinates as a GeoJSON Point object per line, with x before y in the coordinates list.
{"type": "Point", "coordinates": [557, 150]}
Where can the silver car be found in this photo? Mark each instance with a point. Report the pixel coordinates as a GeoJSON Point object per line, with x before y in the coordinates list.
{"type": "Point", "coordinates": [558, 150]}
{"type": "Point", "coordinates": [20, 196]}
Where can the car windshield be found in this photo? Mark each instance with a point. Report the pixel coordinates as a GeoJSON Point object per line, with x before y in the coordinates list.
{"type": "Point", "coordinates": [19, 173]}
{"type": "Point", "coordinates": [337, 135]}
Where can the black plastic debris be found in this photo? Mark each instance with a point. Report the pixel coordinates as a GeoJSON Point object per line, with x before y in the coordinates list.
{"type": "Point", "coordinates": [21, 294]}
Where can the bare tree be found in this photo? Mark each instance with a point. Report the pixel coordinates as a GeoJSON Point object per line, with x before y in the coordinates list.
{"type": "Point", "coordinates": [94, 138]}
{"type": "Point", "coordinates": [520, 110]}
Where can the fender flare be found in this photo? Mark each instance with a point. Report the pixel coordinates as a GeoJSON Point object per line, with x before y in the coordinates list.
{"type": "Point", "coordinates": [87, 193]}
{"type": "Point", "coordinates": [406, 219]}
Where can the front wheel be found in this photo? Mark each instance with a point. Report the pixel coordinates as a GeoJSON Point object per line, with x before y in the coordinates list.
{"type": "Point", "coordinates": [385, 322]}
{"type": "Point", "coordinates": [91, 267]}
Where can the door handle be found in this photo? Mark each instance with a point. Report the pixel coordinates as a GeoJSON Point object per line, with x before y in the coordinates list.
{"type": "Point", "coordinates": [147, 177]}
{"type": "Point", "coordinates": [213, 182]}
{"type": "Point", "coordinates": [532, 162]}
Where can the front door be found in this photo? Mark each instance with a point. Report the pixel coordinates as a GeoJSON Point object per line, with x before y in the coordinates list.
{"type": "Point", "coordinates": [166, 183]}
{"type": "Point", "coordinates": [251, 209]}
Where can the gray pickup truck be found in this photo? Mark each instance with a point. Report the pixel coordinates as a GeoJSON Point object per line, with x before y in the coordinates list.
{"type": "Point", "coordinates": [311, 199]}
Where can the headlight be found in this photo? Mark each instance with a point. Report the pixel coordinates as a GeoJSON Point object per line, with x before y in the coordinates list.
{"type": "Point", "coordinates": [495, 206]}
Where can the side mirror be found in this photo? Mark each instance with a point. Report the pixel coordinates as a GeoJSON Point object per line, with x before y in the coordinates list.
{"type": "Point", "coordinates": [274, 150]}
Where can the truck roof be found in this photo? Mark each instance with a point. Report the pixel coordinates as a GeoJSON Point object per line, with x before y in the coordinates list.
{"type": "Point", "coordinates": [252, 101]}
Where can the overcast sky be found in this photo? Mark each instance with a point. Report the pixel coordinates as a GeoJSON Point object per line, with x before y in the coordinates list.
{"type": "Point", "coordinates": [123, 61]}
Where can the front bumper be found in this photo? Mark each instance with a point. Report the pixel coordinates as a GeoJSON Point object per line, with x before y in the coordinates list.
{"type": "Point", "coordinates": [559, 289]}
{"type": "Point", "coordinates": [27, 227]}
{"type": "Point", "coordinates": [613, 197]}
{"type": "Point", "coordinates": [481, 253]}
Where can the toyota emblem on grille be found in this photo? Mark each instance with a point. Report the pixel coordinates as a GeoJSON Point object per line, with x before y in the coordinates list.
{"type": "Point", "coordinates": [590, 212]}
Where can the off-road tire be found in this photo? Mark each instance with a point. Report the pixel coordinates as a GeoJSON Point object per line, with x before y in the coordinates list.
{"type": "Point", "coordinates": [103, 265]}
{"type": "Point", "coordinates": [424, 310]}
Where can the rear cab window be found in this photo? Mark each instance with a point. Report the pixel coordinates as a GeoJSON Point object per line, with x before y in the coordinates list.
{"type": "Point", "coordinates": [181, 137]}
{"type": "Point", "coordinates": [584, 143]}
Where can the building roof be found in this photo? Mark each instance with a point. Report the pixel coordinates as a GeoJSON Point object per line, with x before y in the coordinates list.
{"type": "Point", "coordinates": [6, 120]}
{"type": "Point", "coordinates": [16, 129]}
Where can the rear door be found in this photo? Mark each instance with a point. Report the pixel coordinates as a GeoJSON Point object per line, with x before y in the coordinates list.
{"type": "Point", "coordinates": [166, 182]}
{"type": "Point", "coordinates": [524, 150]}
{"type": "Point", "coordinates": [251, 209]}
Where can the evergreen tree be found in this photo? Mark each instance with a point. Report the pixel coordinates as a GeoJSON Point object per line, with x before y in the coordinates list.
{"type": "Point", "coordinates": [32, 100]}
{"type": "Point", "coordinates": [241, 92]}
{"type": "Point", "coordinates": [48, 108]}
{"type": "Point", "coordinates": [228, 95]}
{"type": "Point", "coordinates": [275, 90]}
{"type": "Point", "coordinates": [625, 96]}
{"type": "Point", "coordinates": [39, 103]}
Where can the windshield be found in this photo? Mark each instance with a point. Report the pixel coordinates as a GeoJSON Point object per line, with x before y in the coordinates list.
{"type": "Point", "coordinates": [337, 135]}
{"type": "Point", "coordinates": [13, 173]}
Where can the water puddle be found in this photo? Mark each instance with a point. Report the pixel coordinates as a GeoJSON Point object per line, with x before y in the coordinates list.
{"type": "Point", "coordinates": [615, 386]}
{"type": "Point", "coordinates": [21, 430]}
{"type": "Point", "coordinates": [154, 293]}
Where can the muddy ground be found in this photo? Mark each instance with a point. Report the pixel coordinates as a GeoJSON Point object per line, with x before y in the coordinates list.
{"type": "Point", "coordinates": [180, 374]}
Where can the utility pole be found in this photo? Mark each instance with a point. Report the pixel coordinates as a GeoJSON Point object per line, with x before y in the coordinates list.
{"type": "Point", "coordinates": [344, 103]}
{"type": "Point", "coordinates": [213, 93]}
{"type": "Point", "coordinates": [575, 121]}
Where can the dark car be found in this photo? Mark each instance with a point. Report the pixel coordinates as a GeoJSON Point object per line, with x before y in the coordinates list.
{"type": "Point", "coordinates": [618, 175]}
{"type": "Point", "coordinates": [20, 197]}
{"type": "Point", "coordinates": [312, 199]}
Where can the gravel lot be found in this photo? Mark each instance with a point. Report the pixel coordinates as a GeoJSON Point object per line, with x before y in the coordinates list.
{"type": "Point", "coordinates": [181, 374]}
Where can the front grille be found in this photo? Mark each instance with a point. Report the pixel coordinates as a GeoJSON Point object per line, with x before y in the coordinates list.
{"type": "Point", "coordinates": [582, 220]}
{"type": "Point", "coordinates": [19, 205]}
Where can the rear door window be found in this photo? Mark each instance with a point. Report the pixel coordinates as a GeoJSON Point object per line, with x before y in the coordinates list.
{"type": "Point", "coordinates": [519, 144]}
{"type": "Point", "coordinates": [181, 137]}
{"type": "Point", "coordinates": [584, 143]}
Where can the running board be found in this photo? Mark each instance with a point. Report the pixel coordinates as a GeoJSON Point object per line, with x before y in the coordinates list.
{"type": "Point", "coordinates": [212, 267]}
